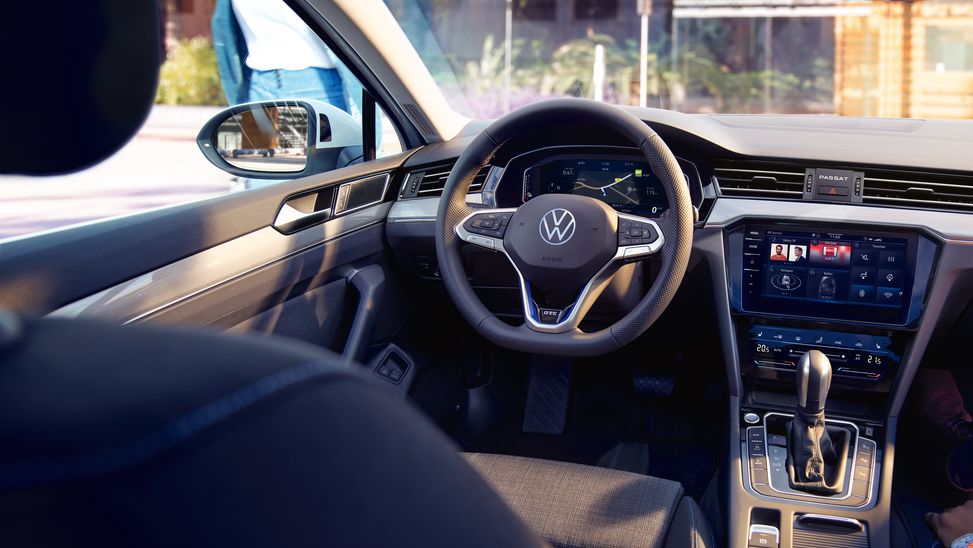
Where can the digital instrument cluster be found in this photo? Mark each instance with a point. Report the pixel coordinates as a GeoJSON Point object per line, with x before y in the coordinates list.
{"type": "Point", "coordinates": [626, 185]}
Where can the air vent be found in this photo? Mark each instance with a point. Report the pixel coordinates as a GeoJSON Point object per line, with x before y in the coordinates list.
{"type": "Point", "coordinates": [429, 182]}
{"type": "Point", "coordinates": [760, 179]}
{"type": "Point", "coordinates": [918, 189]}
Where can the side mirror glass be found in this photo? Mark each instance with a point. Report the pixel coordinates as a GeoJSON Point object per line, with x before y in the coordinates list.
{"type": "Point", "coordinates": [283, 139]}
{"type": "Point", "coordinates": [265, 138]}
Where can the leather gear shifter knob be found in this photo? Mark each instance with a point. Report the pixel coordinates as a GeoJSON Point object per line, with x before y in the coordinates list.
{"type": "Point", "coordinates": [813, 381]}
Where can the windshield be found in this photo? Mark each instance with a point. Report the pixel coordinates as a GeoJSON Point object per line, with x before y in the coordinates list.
{"type": "Point", "coordinates": [849, 58]}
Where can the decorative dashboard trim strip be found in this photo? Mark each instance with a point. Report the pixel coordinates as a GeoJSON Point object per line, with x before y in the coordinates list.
{"type": "Point", "coordinates": [947, 225]}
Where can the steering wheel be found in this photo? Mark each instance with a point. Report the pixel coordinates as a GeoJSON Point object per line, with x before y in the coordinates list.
{"type": "Point", "coordinates": [564, 247]}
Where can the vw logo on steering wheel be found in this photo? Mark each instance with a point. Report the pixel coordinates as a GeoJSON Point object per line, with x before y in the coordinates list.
{"type": "Point", "coordinates": [557, 226]}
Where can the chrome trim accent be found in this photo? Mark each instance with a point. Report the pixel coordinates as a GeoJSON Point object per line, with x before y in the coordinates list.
{"type": "Point", "coordinates": [422, 210]}
{"type": "Point", "coordinates": [835, 519]}
{"type": "Point", "coordinates": [739, 170]}
{"type": "Point", "coordinates": [591, 291]}
{"type": "Point", "coordinates": [133, 301]}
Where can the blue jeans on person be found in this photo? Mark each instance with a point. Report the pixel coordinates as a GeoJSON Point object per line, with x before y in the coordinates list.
{"type": "Point", "coordinates": [310, 83]}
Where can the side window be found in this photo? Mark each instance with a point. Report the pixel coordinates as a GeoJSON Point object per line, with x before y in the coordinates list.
{"type": "Point", "coordinates": [207, 54]}
{"type": "Point", "coordinates": [267, 55]}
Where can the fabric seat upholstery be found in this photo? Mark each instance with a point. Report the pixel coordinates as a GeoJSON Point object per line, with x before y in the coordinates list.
{"type": "Point", "coordinates": [572, 505]}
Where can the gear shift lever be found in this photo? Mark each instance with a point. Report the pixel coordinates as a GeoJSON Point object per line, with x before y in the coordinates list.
{"type": "Point", "coordinates": [813, 382]}
{"type": "Point", "coordinates": [815, 453]}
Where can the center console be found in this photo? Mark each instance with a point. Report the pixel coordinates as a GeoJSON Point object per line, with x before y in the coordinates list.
{"type": "Point", "coordinates": [831, 311]}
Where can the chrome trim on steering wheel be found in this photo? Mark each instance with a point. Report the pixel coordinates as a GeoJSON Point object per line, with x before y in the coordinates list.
{"type": "Point", "coordinates": [576, 312]}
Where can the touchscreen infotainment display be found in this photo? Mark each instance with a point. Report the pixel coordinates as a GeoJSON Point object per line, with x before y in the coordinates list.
{"type": "Point", "coordinates": [827, 273]}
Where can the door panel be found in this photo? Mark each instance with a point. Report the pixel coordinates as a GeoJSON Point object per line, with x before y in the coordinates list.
{"type": "Point", "coordinates": [118, 268]}
{"type": "Point", "coordinates": [318, 316]}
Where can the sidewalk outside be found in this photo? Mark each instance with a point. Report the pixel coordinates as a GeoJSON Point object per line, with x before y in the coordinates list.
{"type": "Point", "coordinates": [161, 166]}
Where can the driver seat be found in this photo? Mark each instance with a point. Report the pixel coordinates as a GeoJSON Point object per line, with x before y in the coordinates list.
{"type": "Point", "coordinates": [576, 505]}
{"type": "Point", "coordinates": [141, 436]}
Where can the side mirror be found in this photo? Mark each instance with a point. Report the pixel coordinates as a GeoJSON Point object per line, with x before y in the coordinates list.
{"type": "Point", "coordinates": [283, 139]}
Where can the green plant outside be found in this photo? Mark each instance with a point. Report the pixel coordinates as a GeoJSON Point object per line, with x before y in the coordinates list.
{"type": "Point", "coordinates": [190, 76]}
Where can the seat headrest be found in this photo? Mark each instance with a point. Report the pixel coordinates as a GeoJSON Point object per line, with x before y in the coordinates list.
{"type": "Point", "coordinates": [79, 78]}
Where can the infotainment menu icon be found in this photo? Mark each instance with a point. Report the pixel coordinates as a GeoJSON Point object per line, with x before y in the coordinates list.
{"type": "Point", "coordinates": [830, 253]}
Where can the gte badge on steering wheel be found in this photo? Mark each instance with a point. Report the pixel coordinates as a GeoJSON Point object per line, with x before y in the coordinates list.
{"type": "Point", "coordinates": [557, 226]}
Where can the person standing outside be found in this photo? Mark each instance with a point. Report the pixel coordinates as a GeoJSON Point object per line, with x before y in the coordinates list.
{"type": "Point", "coordinates": [266, 52]}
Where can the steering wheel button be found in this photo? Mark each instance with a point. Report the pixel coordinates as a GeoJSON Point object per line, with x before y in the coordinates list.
{"type": "Point", "coordinates": [636, 251]}
{"type": "Point", "coordinates": [481, 241]}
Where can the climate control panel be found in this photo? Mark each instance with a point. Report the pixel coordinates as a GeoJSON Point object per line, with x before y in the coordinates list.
{"type": "Point", "coordinates": [852, 355]}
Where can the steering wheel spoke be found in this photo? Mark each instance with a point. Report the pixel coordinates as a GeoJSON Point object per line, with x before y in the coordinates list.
{"type": "Point", "coordinates": [569, 318]}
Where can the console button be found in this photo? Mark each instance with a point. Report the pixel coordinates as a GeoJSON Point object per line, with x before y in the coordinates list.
{"type": "Point", "coordinates": [862, 275]}
{"type": "Point", "coordinates": [859, 489]}
{"type": "Point", "coordinates": [891, 259]}
{"type": "Point", "coordinates": [755, 434]}
{"type": "Point", "coordinates": [862, 294]}
{"type": "Point", "coordinates": [759, 476]}
{"type": "Point", "coordinates": [757, 449]}
{"type": "Point", "coordinates": [833, 190]}
{"type": "Point", "coordinates": [888, 295]}
{"type": "Point", "coordinates": [760, 540]}
{"type": "Point", "coordinates": [863, 473]}
{"type": "Point", "coordinates": [865, 447]}
{"type": "Point", "coordinates": [864, 256]}
{"type": "Point", "coordinates": [890, 278]}
{"type": "Point", "coordinates": [864, 460]}
{"type": "Point", "coordinates": [758, 463]}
